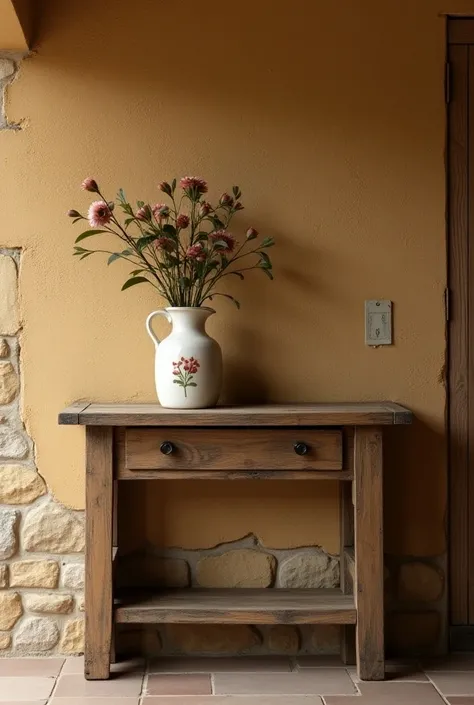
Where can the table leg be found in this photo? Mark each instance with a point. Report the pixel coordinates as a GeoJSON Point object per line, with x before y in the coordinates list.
{"type": "Point", "coordinates": [99, 589]}
{"type": "Point", "coordinates": [368, 517]}
{"type": "Point", "coordinates": [348, 654]}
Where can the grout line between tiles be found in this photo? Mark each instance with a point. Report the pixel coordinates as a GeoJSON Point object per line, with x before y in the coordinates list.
{"type": "Point", "coordinates": [442, 696]}
{"type": "Point", "coordinates": [56, 680]}
{"type": "Point", "coordinates": [213, 685]}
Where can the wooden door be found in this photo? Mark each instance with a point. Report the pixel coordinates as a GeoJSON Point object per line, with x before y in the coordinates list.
{"type": "Point", "coordinates": [460, 164]}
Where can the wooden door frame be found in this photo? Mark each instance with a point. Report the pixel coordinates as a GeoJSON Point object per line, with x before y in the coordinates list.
{"type": "Point", "coordinates": [460, 224]}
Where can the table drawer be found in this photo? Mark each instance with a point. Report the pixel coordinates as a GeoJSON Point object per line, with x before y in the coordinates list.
{"type": "Point", "coordinates": [233, 449]}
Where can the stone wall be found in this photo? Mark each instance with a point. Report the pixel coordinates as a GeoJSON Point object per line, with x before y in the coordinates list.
{"type": "Point", "coordinates": [41, 542]}
{"type": "Point", "coordinates": [240, 564]}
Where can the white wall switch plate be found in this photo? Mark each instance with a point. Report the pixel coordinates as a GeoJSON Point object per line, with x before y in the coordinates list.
{"type": "Point", "coordinates": [378, 322]}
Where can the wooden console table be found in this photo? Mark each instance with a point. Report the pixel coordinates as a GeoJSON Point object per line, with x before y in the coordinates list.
{"type": "Point", "coordinates": [291, 442]}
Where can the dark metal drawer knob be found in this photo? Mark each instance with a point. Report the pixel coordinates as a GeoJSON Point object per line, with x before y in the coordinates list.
{"type": "Point", "coordinates": [167, 447]}
{"type": "Point", "coordinates": [300, 448]}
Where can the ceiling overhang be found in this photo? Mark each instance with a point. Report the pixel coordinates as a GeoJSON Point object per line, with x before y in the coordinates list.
{"type": "Point", "coordinates": [16, 25]}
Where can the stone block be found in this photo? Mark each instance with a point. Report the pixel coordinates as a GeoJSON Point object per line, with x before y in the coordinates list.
{"type": "Point", "coordinates": [3, 576]}
{"type": "Point", "coordinates": [309, 569]}
{"type": "Point", "coordinates": [411, 633]}
{"type": "Point", "coordinates": [212, 638]}
{"type": "Point", "coordinates": [7, 68]}
{"type": "Point", "coordinates": [34, 574]}
{"type": "Point", "coordinates": [80, 602]}
{"type": "Point", "coordinates": [241, 568]}
{"type": "Point", "coordinates": [72, 641]}
{"type": "Point", "coordinates": [5, 641]}
{"type": "Point", "coordinates": [20, 485]}
{"type": "Point", "coordinates": [4, 348]}
{"type": "Point", "coordinates": [147, 569]}
{"type": "Point", "coordinates": [326, 639]}
{"type": "Point", "coordinates": [8, 533]}
{"type": "Point", "coordinates": [420, 582]}
{"type": "Point", "coordinates": [13, 445]}
{"type": "Point", "coordinates": [73, 576]}
{"type": "Point", "coordinates": [9, 383]}
{"type": "Point", "coordinates": [10, 609]}
{"type": "Point", "coordinates": [283, 639]}
{"type": "Point", "coordinates": [36, 635]}
{"type": "Point", "coordinates": [54, 602]}
{"type": "Point", "coordinates": [52, 528]}
{"type": "Point", "coordinates": [9, 315]}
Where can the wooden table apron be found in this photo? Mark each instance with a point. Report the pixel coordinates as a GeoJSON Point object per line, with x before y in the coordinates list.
{"type": "Point", "coordinates": [354, 457]}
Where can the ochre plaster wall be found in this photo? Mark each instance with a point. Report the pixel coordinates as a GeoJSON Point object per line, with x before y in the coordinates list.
{"type": "Point", "coordinates": [331, 118]}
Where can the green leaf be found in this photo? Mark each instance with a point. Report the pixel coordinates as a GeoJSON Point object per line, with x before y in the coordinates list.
{"type": "Point", "coordinates": [221, 245]}
{"type": "Point", "coordinates": [88, 233]}
{"type": "Point", "coordinates": [217, 222]}
{"type": "Point", "coordinates": [268, 273]}
{"type": "Point", "coordinates": [133, 281]}
{"type": "Point", "coordinates": [86, 254]}
{"type": "Point", "coordinates": [227, 296]}
{"type": "Point", "coordinates": [178, 381]}
{"type": "Point", "coordinates": [235, 190]}
{"type": "Point", "coordinates": [173, 185]}
{"type": "Point", "coordinates": [238, 274]}
{"type": "Point", "coordinates": [202, 235]}
{"type": "Point", "coordinates": [140, 204]}
{"type": "Point", "coordinates": [129, 220]}
{"type": "Point", "coordinates": [192, 384]}
{"type": "Point", "coordinates": [137, 271]}
{"type": "Point", "coordinates": [268, 242]}
{"type": "Point", "coordinates": [121, 196]}
{"type": "Point", "coordinates": [169, 230]}
{"type": "Point", "coordinates": [143, 242]}
{"type": "Point", "coordinates": [184, 282]}
{"type": "Point", "coordinates": [265, 262]}
{"type": "Point", "coordinates": [118, 255]}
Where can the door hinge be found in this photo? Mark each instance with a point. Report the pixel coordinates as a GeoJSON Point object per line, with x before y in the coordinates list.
{"type": "Point", "coordinates": [447, 82]}
{"type": "Point", "coordinates": [447, 304]}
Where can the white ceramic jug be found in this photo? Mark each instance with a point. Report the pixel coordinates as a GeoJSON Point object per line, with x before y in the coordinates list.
{"type": "Point", "coordinates": [188, 363]}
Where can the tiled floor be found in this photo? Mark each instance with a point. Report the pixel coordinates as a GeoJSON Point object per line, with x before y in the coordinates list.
{"type": "Point", "coordinates": [245, 681]}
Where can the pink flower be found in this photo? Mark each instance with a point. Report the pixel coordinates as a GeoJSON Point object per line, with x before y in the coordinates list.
{"type": "Point", "coordinates": [226, 200]}
{"type": "Point", "coordinates": [182, 221]}
{"type": "Point", "coordinates": [223, 236]}
{"type": "Point", "coordinates": [196, 252]}
{"type": "Point", "coordinates": [204, 209]}
{"type": "Point", "coordinates": [252, 234]}
{"type": "Point", "coordinates": [90, 185]}
{"type": "Point", "coordinates": [165, 187]}
{"type": "Point", "coordinates": [160, 210]}
{"type": "Point", "coordinates": [144, 213]}
{"type": "Point", "coordinates": [193, 184]}
{"type": "Point", "coordinates": [165, 243]}
{"type": "Point", "coordinates": [99, 214]}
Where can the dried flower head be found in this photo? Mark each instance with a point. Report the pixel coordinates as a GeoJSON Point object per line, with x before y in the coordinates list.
{"type": "Point", "coordinates": [74, 214]}
{"type": "Point", "coordinates": [252, 234]}
{"type": "Point", "coordinates": [90, 185]}
{"type": "Point", "coordinates": [99, 214]}
{"type": "Point", "coordinates": [204, 209]}
{"type": "Point", "coordinates": [223, 236]}
{"type": "Point", "coordinates": [160, 210]}
{"type": "Point", "coordinates": [193, 185]}
{"type": "Point", "coordinates": [196, 252]}
{"type": "Point", "coordinates": [165, 187]}
{"type": "Point", "coordinates": [144, 213]}
{"type": "Point", "coordinates": [226, 200]}
{"type": "Point", "coordinates": [238, 206]}
{"type": "Point", "coordinates": [165, 243]}
{"type": "Point", "coordinates": [182, 221]}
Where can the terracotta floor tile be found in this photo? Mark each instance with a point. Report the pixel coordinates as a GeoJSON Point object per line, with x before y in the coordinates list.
{"type": "Point", "coordinates": [44, 667]}
{"type": "Point", "coordinates": [23, 702]}
{"type": "Point", "coordinates": [397, 672]}
{"type": "Point", "coordinates": [31, 688]}
{"type": "Point", "coordinates": [239, 700]}
{"type": "Point", "coordinates": [392, 693]}
{"type": "Point", "coordinates": [461, 701]}
{"type": "Point", "coordinates": [93, 701]}
{"type": "Point", "coordinates": [179, 684]}
{"type": "Point", "coordinates": [125, 685]}
{"type": "Point", "coordinates": [453, 682]}
{"type": "Point", "coordinates": [75, 665]}
{"type": "Point", "coordinates": [268, 664]}
{"type": "Point", "coordinates": [316, 681]}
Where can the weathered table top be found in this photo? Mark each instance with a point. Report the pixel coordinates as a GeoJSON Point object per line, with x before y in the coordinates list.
{"type": "Point", "coordinates": [326, 414]}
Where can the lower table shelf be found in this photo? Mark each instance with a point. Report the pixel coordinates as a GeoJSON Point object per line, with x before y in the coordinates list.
{"type": "Point", "coordinates": [237, 606]}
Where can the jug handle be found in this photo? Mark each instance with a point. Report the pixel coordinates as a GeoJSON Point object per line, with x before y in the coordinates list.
{"type": "Point", "coordinates": [151, 332]}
